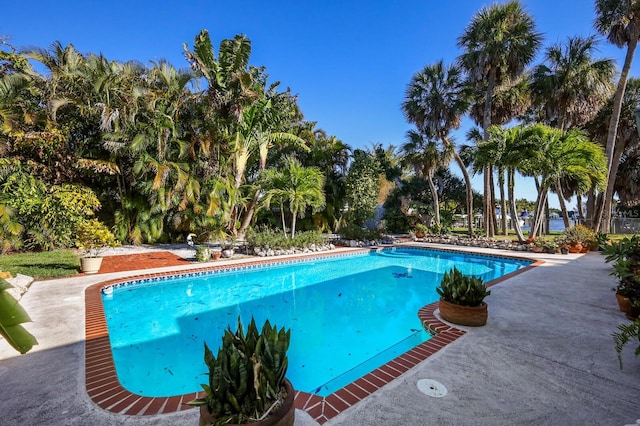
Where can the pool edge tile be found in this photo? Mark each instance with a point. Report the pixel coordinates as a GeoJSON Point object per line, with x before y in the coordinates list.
{"type": "Point", "coordinates": [111, 396]}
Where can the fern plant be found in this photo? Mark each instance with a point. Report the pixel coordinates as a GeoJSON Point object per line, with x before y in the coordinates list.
{"type": "Point", "coordinates": [462, 290]}
{"type": "Point", "coordinates": [628, 332]}
{"type": "Point", "coordinates": [247, 377]}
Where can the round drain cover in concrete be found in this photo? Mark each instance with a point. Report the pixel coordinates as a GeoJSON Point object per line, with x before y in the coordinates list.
{"type": "Point", "coordinates": [431, 388]}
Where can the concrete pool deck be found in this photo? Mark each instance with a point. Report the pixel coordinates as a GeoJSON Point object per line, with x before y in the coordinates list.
{"type": "Point", "coordinates": [546, 356]}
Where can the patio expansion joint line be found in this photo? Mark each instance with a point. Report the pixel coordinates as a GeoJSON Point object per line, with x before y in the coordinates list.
{"type": "Point", "coordinates": [110, 395]}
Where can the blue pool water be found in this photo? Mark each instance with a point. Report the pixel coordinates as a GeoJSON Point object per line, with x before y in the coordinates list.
{"type": "Point", "coordinates": [348, 315]}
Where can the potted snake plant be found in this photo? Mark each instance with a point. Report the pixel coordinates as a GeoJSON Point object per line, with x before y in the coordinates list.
{"type": "Point", "coordinates": [247, 383]}
{"type": "Point", "coordinates": [462, 299]}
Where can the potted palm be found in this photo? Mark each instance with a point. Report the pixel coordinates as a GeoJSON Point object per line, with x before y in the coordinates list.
{"type": "Point", "coordinates": [462, 299]}
{"type": "Point", "coordinates": [247, 382]}
{"type": "Point", "coordinates": [625, 255]}
{"type": "Point", "coordinates": [93, 238]}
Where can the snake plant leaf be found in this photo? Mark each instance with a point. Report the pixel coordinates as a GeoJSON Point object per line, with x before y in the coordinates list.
{"type": "Point", "coordinates": [11, 316]}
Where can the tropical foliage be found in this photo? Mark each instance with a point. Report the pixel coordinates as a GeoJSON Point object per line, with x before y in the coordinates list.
{"type": "Point", "coordinates": [294, 188]}
{"type": "Point", "coordinates": [362, 186]}
{"type": "Point", "coordinates": [498, 43]}
{"type": "Point", "coordinates": [12, 315]}
{"type": "Point", "coordinates": [162, 158]}
{"type": "Point", "coordinates": [155, 152]}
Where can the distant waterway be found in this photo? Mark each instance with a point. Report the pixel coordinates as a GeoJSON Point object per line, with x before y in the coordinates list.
{"type": "Point", "coordinates": [555, 225]}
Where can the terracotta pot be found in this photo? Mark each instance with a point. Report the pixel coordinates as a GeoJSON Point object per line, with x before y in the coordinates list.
{"type": "Point", "coordinates": [575, 248]}
{"type": "Point", "coordinates": [90, 265]}
{"type": "Point", "coordinates": [473, 316]}
{"type": "Point", "coordinates": [283, 416]}
{"type": "Point", "coordinates": [627, 308]}
{"type": "Point", "coordinates": [537, 249]}
{"type": "Point", "coordinates": [624, 303]}
{"type": "Point", "coordinates": [216, 255]}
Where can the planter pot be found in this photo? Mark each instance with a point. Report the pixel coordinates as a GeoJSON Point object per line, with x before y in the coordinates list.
{"type": "Point", "coordinates": [575, 248]}
{"type": "Point", "coordinates": [624, 303]}
{"type": "Point", "coordinates": [227, 253]}
{"type": "Point", "coordinates": [203, 254]}
{"type": "Point", "coordinates": [216, 255]}
{"type": "Point", "coordinates": [473, 316]}
{"type": "Point", "coordinates": [627, 308]}
{"type": "Point", "coordinates": [536, 249]}
{"type": "Point", "coordinates": [420, 234]}
{"type": "Point", "coordinates": [564, 250]}
{"type": "Point", "coordinates": [90, 265]}
{"type": "Point", "coordinates": [634, 314]}
{"type": "Point", "coordinates": [283, 416]}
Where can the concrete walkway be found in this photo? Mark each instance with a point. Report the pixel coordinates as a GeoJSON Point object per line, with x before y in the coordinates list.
{"type": "Point", "coordinates": [545, 357]}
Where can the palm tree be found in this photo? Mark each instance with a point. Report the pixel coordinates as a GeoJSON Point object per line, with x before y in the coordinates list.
{"type": "Point", "coordinates": [498, 43]}
{"type": "Point", "coordinates": [620, 22]}
{"type": "Point", "coordinates": [247, 116]}
{"type": "Point", "coordinates": [569, 154]}
{"type": "Point", "coordinates": [230, 83]}
{"type": "Point", "coordinates": [490, 153]}
{"type": "Point", "coordinates": [425, 157]}
{"type": "Point", "coordinates": [331, 156]}
{"type": "Point", "coordinates": [435, 101]}
{"type": "Point", "coordinates": [571, 86]}
{"type": "Point", "coordinates": [626, 180]}
{"type": "Point", "coordinates": [295, 187]}
{"type": "Point", "coordinates": [569, 89]}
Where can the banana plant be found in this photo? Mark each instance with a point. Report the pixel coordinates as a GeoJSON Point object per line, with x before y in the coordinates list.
{"type": "Point", "coordinates": [11, 316]}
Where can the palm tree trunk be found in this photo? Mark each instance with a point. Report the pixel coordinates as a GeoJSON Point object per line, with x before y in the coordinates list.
{"type": "Point", "coordinates": [580, 205]}
{"type": "Point", "coordinates": [489, 211]}
{"type": "Point", "coordinates": [612, 136]}
{"type": "Point", "coordinates": [591, 208]}
{"type": "Point", "coordinates": [540, 205]}
{"type": "Point", "coordinates": [467, 181]}
{"type": "Point", "coordinates": [488, 207]}
{"type": "Point", "coordinates": [294, 216]}
{"type": "Point", "coordinates": [608, 201]}
{"type": "Point", "coordinates": [547, 216]}
{"type": "Point", "coordinates": [503, 203]}
{"type": "Point", "coordinates": [436, 201]}
{"type": "Point", "coordinates": [563, 205]}
{"type": "Point", "coordinates": [248, 215]}
{"type": "Point", "coordinates": [512, 204]}
{"type": "Point", "coordinates": [284, 224]}
{"type": "Point", "coordinates": [494, 215]}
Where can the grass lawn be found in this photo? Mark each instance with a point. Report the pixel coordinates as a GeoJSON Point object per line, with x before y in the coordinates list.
{"type": "Point", "coordinates": [43, 265]}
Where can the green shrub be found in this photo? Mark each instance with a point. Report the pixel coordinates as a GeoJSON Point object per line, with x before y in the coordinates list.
{"type": "Point", "coordinates": [94, 238]}
{"type": "Point", "coordinates": [277, 240]}
{"type": "Point", "coordinates": [354, 232]}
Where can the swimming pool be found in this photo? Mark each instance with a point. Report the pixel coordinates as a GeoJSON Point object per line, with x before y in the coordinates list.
{"type": "Point", "coordinates": [347, 315]}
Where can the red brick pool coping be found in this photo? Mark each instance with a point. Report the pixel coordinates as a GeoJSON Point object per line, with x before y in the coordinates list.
{"type": "Point", "coordinates": [105, 390]}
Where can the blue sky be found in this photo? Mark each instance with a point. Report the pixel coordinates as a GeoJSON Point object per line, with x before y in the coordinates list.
{"type": "Point", "coordinates": [348, 61]}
